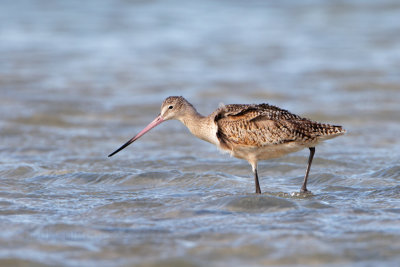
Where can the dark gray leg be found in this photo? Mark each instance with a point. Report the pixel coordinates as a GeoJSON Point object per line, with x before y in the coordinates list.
{"type": "Point", "coordinates": [258, 190]}
{"type": "Point", "coordinates": [304, 186]}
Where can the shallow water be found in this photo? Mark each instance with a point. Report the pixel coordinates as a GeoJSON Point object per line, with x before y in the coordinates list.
{"type": "Point", "coordinates": [79, 78]}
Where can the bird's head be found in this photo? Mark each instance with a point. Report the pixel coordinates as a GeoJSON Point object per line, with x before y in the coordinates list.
{"type": "Point", "coordinates": [173, 107]}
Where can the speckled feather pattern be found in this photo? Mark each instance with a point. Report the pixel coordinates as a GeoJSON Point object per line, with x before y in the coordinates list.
{"type": "Point", "coordinates": [264, 124]}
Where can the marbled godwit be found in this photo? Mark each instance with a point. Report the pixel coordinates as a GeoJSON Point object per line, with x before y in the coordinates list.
{"type": "Point", "coordinates": [250, 132]}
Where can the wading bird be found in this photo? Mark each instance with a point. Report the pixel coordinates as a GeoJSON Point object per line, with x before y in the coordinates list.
{"type": "Point", "coordinates": [250, 132]}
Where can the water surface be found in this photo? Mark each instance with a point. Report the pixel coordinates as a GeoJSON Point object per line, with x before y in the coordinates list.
{"type": "Point", "coordinates": [77, 79]}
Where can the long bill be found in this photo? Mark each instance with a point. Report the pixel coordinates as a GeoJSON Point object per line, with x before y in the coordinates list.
{"type": "Point", "coordinates": [151, 125]}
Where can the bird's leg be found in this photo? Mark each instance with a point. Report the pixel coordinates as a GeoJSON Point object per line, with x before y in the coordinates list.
{"type": "Point", "coordinates": [258, 190]}
{"type": "Point", "coordinates": [304, 186]}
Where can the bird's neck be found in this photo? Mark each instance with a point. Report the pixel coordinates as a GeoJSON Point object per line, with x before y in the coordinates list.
{"type": "Point", "coordinates": [200, 126]}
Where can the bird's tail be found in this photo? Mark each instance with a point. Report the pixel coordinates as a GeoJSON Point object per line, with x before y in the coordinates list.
{"type": "Point", "coordinates": [327, 131]}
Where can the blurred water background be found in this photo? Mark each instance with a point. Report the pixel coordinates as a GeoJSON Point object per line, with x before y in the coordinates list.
{"type": "Point", "coordinates": [79, 78]}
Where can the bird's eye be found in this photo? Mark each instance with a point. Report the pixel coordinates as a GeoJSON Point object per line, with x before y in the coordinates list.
{"type": "Point", "coordinates": [170, 107]}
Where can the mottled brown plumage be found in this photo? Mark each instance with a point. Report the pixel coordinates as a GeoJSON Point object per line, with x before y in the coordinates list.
{"type": "Point", "coordinates": [250, 132]}
{"type": "Point", "coordinates": [263, 125]}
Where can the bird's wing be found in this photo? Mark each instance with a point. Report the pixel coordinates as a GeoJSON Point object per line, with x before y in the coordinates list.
{"type": "Point", "coordinates": [251, 111]}
{"type": "Point", "coordinates": [260, 125]}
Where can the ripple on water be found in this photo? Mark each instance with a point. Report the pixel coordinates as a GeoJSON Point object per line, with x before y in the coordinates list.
{"type": "Point", "coordinates": [67, 237]}
{"type": "Point", "coordinates": [338, 188]}
{"type": "Point", "coordinates": [313, 204]}
{"type": "Point", "coordinates": [151, 177]}
{"type": "Point", "coordinates": [388, 172]}
{"type": "Point", "coordinates": [384, 193]}
{"type": "Point", "coordinates": [17, 171]}
{"type": "Point", "coordinates": [44, 119]}
{"type": "Point", "coordinates": [79, 178]}
{"type": "Point", "coordinates": [22, 263]}
{"type": "Point", "coordinates": [207, 180]}
{"type": "Point", "coordinates": [258, 204]}
{"type": "Point", "coordinates": [174, 262]}
{"type": "Point", "coordinates": [323, 179]}
{"type": "Point", "coordinates": [129, 207]}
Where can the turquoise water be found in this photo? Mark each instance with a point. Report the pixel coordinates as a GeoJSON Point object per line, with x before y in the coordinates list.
{"type": "Point", "coordinates": [78, 79]}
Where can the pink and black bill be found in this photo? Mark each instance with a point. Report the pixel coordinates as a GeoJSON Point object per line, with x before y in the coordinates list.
{"type": "Point", "coordinates": [153, 124]}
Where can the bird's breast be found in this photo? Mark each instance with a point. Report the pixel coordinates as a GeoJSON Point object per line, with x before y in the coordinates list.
{"type": "Point", "coordinates": [252, 154]}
